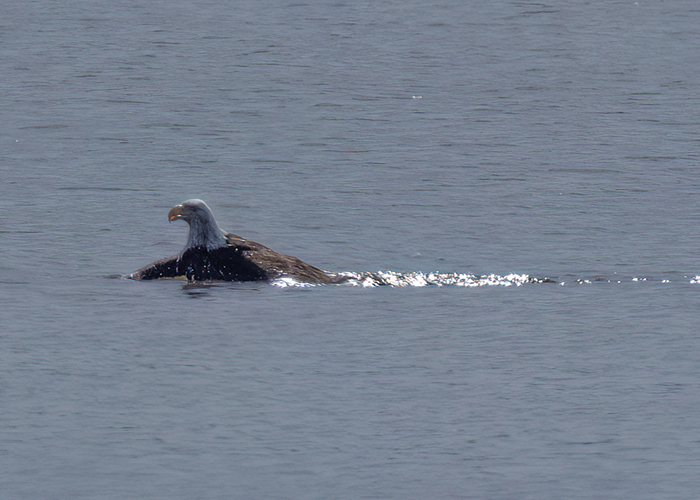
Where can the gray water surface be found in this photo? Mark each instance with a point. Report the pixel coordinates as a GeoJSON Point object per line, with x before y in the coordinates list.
{"type": "Point", "coordinates": [493, 145]}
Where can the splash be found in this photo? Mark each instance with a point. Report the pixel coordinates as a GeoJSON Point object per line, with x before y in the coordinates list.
{"type": "Point", "coordinates": [288, 281]}
{"type": "Point", "coordinates": [419, 279]}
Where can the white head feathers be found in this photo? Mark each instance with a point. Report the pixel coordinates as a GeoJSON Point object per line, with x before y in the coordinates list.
{"type": "Point", "coordinates": [204, 231]}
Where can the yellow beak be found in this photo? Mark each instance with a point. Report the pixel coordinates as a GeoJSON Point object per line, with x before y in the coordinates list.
{"type": "Point", "coordinates": [176, 213]}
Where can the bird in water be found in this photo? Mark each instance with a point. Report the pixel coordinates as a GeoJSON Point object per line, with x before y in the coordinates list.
{"type": "Point", "coordinates": [212, 254]}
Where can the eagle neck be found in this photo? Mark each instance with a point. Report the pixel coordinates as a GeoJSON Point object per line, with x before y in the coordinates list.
{"type": "Point", "coordinates": [206, 233]}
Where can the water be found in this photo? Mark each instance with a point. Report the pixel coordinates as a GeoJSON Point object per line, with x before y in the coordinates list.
{"type": "Point", "coordinates": [542, 156]}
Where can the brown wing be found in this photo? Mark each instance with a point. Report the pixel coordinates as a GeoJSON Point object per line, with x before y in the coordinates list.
{"type": "Point", "coordinates": [266, 264]}
{"type": "Point", "coordinates": [278, 265]}
{"type": "Point", "coordinates": [163, 268]}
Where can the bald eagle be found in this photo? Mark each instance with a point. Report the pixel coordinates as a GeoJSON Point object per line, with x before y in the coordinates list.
{"type": "Point", "coordinates": [212, 254]}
